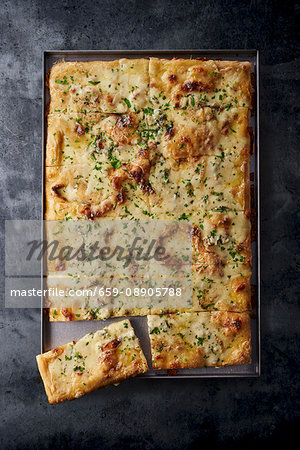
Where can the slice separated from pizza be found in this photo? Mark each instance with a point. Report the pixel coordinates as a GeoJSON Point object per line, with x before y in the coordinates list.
{"type": "Point", "coordinates": [203, 339]}
{"type": "Point", "coordinates": [192, 84]}
{"type": "Point", "coordinates": [99, 86]}
{"type": "Point", "coordinates": [98, 359]}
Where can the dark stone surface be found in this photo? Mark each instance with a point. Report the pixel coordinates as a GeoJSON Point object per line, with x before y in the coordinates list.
{"type": "Point", "coordinates": [232, 413]}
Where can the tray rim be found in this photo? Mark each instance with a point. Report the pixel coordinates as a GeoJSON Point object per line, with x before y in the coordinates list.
{"type": "Point", "coordinates": [255, 54]}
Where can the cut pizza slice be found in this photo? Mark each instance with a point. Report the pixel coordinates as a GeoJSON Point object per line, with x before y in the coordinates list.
{"type": "Point", "coordinates": [227, 236]}
{"type": "Point", "coordinates": [102, 190]}
{"type": "Point", "coordinates": [189, 340]}
{"type": "Point", "coordinates": [188, 134]}
{"type": "Point", "coordinates": [222, 262]}
{"type": "Point", "coordinates": [101, 298]}
{"type": "Point", "coordinates": [222, 291]}
{"type": "Point", "coordinates": [99, 86]}
{"type": "Point", "coordinates": [85, 139]}
{"type": "Point", "coordinates": [192, 84]}
{"type": "Point", "coordinates": [98, 359]}
{"type": "Point", "coordinates": [213, 183]}
{"type": "Point", "coordinates": [126, 248]}
{"type": "Point", "coordinates": [110, 266]}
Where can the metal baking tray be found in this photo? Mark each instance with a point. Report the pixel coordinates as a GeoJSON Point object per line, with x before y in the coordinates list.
{"type": "Point", "coordinates": [54, 334]}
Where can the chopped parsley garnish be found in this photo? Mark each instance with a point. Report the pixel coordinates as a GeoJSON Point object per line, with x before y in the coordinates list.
{"type": "Point", "coordinates": [127, 102]}
{"type": "Point", "coordinates": [155, 331]}
{"type": "Point", "coordinates": [63, 81]}
{"type": "Point", "coordinates": [183, 217]}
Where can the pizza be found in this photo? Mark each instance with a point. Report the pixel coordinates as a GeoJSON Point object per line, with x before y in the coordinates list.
{"type": "Point", "coordinates": [189, 340]}
{"type": "Point", "coordinates": [221, 267]}
{"type": "Point", "coordinates": [89, 192]}
{"type": "Point", "coordinates": [211, 183]}
{"type": "Point", "coordinates": [184, 135]}
{"type": "Point", "coordinates": [222, 262]}
{"type": "Point", "coordinates": [99, 86]}
{"type": "Point", "coordinates": [157, 140]}
{"type": "Point", "coordinates": [84, 139]}
{"type": "Point", "coordinates": [192, 84]}
{"type": "Point", "coordinates": [98, 359]}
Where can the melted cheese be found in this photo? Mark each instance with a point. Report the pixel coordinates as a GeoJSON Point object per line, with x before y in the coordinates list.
{"type": "Point", "coordinates": [105, 357]}
{"type": "Point", "coordinates": [99, 86]}
{"type": "Point", "coordinates": [225, 291]}
{"type": "Point", "coordinates": [187, 134]}
{"type": "Point", "coordinates": [222, 262]}
{"type": "Point", "coordinates": [183, 190]}
{"type": "Point", "coordinates": [190, 340]}
{"type": "Point", "coordinates": [186, 83]}
{"type": "Point", "coordinates": [86, 140]}
{"type": "Point", "coordinates": [159, 140]}
{"type": "Point", "coordinates": [75, 192]}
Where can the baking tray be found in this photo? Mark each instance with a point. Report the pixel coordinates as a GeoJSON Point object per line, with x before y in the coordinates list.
{"type": "Point", "coordinates": [54, 334]}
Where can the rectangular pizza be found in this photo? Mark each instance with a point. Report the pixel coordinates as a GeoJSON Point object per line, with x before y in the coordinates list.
{"type": "Point", "coordinates": [160, 140]}
{"type": "Point", "coordinates": [98, 359]}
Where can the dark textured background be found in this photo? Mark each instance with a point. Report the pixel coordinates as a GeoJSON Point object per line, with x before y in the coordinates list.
{"type": "Point", "coordinates": [149, 414]}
